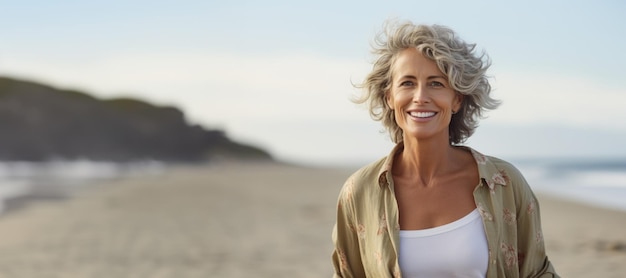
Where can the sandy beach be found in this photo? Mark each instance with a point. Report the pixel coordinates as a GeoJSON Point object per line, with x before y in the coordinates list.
{"type": "Point", "coordinates": [241, 220]}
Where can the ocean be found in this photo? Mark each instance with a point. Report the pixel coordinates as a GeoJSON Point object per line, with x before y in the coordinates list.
{"type": "Point", "coordinates": [598, 182]}
{"type": "Point", "coordinates": [22, 181]}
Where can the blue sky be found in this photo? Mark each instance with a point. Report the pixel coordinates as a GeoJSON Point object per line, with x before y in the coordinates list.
{"type": "Point", "coordinates": [278, 73]}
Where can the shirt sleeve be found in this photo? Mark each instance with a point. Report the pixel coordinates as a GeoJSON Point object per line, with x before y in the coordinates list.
{"type": "Point", "coordinates": [346, 255]}
{"type": "Point", "coordinates": [532, 258]}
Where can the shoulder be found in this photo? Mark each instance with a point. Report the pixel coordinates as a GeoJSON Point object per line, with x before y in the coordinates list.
{"type": "Point", "coordinates": [514, 181]}
{"type": "Point", "coordinates": [369, 171]}
{"type": "Point", "coordinates": [507, 169]}
{"type": "Point", "coordinates": [364, 179]}
{"type": "Point", "coordinates": [496, 170]}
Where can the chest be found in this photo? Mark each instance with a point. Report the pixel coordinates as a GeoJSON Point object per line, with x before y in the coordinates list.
{"type": "Point", "coordinates": [458, 249]}
{"type": "Point", "coordinates": [422, 207]}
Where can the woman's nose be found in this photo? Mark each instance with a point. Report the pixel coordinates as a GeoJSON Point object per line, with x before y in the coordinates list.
{"type": "Point", "coordinates": [420, 95]}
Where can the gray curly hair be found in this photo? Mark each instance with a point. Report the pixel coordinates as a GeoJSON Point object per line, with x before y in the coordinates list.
{"type": "Point", "coordinates": [465, 70]}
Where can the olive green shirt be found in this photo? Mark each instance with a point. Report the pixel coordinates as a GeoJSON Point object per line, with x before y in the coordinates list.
{"type": "Point", "coordinates": [366, 234]}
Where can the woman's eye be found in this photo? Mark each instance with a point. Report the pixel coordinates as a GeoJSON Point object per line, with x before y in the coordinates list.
{"type": "Point", "coordinates": [436, 84]}
{"type": "Point", "coordinates": [407, 83]}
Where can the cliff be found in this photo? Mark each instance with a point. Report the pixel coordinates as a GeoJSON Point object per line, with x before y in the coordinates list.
{"type": "Point", "coordinates": [39, 122]}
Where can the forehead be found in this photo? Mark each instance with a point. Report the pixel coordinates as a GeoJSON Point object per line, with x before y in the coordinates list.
{"type": "Point", "coordinates": [411, 61]}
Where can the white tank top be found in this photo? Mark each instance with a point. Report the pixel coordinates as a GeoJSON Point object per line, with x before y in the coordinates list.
{"type": "Point", "coordinates": [457, 249]}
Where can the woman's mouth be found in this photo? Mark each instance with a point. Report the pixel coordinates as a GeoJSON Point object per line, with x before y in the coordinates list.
{"type": "Point", "coordinates": [422, 115]}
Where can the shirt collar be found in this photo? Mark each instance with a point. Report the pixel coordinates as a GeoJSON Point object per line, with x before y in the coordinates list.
{"type": "Point", "coordinates": [489, 174]}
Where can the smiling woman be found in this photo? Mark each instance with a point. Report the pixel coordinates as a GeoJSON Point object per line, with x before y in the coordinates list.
{"type": "Point", "coordinates": [434, 208]}
{"type": "Point", "coordinates": [456, 62]}
{"type": "Point", "coordinates": [420, 96]}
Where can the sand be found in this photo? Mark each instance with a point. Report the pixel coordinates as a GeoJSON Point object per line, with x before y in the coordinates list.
{"type": "Point", "coordinates": [240, 220]}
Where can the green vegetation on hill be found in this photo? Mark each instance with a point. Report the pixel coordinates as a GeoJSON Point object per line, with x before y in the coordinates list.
{"type": "Point", "coordinates": [39, 122]}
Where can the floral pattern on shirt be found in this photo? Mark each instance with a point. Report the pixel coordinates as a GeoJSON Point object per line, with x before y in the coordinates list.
{"type": "Point", "coordinates": [382, 225]}
{"type": "Point", "coordinates": [504, 176]}
{"type": "Point", "coordinates": [366, 245]}
{"type": "Point", "coordinates": [360, 230]}
{"type": "Point", "coordinates": [510, 254]}
{"type": "Point", "coordinates": [509, 216]}
{"type": "Point", "coordinates": [497, 178]}
{"type": "Point", "coordinates": [480, 158]}
{"type": "Point", "coordinates": [379, 257]}
{"type": "Point", "coordinates": [486, 216]}
{"type": "Point", "coordinates": [530, 209]}
{"type": "Point", "coordinates": [349, 190]}
{"type": "Point", "coordinates": [343, 262]}
{"type": "Point", "coordinates": [538, 237]}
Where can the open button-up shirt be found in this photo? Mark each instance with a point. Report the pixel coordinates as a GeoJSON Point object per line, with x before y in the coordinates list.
{"type": "Point", "coordinates": [366, 234]}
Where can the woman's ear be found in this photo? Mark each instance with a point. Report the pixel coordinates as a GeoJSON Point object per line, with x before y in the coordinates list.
{"type": "Point", "coordinates": [458, 101]}
{"type": "Point", "coordinates": [388, 99]}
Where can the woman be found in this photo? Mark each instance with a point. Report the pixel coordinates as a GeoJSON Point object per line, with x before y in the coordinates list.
{"type": "Point", "coordinates": [433, 208]}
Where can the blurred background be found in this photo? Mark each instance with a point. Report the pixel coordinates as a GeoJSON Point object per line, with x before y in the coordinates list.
{"type": "Point", "coordinates": [278, 75]}
{"type": "Point", "coordinates": [274, 78]}
{"type": "Point", "coordinates": [165, 80]}
{"type": "Point", "coordinates": [108, 89]}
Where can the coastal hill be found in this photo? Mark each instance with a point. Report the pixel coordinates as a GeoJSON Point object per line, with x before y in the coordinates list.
{"type": "Point", "coordinates": [40, 123]}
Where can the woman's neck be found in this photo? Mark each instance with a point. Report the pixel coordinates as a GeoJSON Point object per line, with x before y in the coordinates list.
{"type": "Point", "coordinates": [423, 160]}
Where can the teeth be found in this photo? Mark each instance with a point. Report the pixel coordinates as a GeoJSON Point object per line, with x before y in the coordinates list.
{"type": "Point", "coordinates": [422, 114]}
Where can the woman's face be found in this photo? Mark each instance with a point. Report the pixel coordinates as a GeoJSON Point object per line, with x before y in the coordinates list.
{"type": "Point", "coordinates": [421, 97]}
